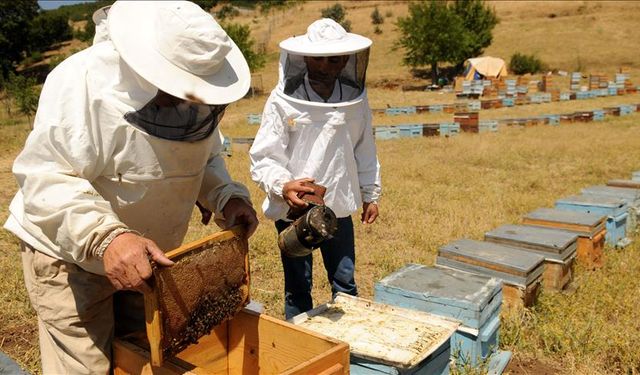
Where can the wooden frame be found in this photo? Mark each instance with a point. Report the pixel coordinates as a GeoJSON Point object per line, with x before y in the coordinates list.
{"type": "Point", "coordinates": [153, 308]}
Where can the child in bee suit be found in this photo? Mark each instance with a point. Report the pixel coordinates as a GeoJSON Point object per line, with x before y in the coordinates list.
{"type": "Point", "coordinates": [316, 127]}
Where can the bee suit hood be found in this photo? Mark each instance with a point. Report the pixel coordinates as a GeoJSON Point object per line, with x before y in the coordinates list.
{"type": "Point", "coordinates": [324, 38]}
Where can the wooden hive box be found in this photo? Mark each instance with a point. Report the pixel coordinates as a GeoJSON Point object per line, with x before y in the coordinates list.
{"type": "Point", "coordinates": [520, 270]}
{"type": "Point", "coordinates": [614, 208]}
{"type": "Point", "coordinates": [589, 227]}
{"type": "Point", "coordinates": [250, 343]}
{"type": "Point", "coordinates": [474, 300]}
{"type": "Point", "coordinates": [384, 339]}
{"type": "Point", "coordinates": [557, 246]}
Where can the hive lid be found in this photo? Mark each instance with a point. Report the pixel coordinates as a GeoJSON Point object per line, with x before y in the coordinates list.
{"type": "Point", "coordinates": [455, 288]}
{"type": "Point", "coordinates": [381, 333]}
{"type": "Point", "coordinates": [511, 264]}
{"type": "Point", "coordinates": [630, 195]}
{"type": "Point", "coordinates": [591, 223]}
{"type": "Point", "coordinates": [614, 206]}
{"type": "Point", "coordinates": [553, 244]}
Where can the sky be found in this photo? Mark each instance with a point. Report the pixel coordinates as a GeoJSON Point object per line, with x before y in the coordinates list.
{"type": "Point", "coordinates": [53, 4]}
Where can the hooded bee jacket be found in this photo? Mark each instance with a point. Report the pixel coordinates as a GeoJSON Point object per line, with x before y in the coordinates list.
{"type": "Point", "coordinates": [330, 142]}
{"type": "Point", "coordinates": [85, 171]}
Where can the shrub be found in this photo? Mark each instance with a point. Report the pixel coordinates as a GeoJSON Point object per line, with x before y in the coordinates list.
{"type": "Point", "coordinates": [227, 11]}
{"type": "Point", "coordinates": [523, 64]}
{"type": "Point", "coordinates": [376, 17]}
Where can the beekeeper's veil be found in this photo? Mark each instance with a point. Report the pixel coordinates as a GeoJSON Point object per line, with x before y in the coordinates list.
{"type": "Point", "coordinates": [324, 38]}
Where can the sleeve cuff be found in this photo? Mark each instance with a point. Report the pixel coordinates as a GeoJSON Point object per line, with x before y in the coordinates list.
{"type": "Point", "coordinates": [99, 252]}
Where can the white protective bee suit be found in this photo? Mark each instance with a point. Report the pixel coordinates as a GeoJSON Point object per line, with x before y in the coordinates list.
{"type": "Point", "coordinates": [86, 172]}
{"type": "Point", "coordinates": [301, 136]}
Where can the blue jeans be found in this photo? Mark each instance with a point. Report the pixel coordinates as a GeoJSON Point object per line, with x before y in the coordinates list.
{"type": "Point", "coordinates": [338, 255]}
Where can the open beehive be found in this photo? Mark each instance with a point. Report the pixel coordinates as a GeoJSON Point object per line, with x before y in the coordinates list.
{"type": "Point", "coordinates": [208, 284]}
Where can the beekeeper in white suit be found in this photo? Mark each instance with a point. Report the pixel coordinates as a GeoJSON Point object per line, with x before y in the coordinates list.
{"type": "Point", "coordinates": [125, 142]}
{"type": "Point", "coordinates": [316, 126]}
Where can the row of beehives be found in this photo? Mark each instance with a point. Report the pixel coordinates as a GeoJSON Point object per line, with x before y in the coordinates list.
{"type": "Point", "coordinates": [476, 105]}
{"type": "Point", "coordinates": [524, 84]}
{"type": "Point", "coordinates": [472, 280]}
{"type": "Point", "coordinates": [469, 122]}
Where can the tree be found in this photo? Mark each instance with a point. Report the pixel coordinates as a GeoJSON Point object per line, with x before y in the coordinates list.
{"type": "Point", "coordinates": [478, 21]}
{"type": "Point", "coordinates": [15, 17]}
{"type": "Point", "coordinates": [24, 93]}
{"type": "Point", "coordinates": [338, 14]}
{"type": "Point", "coordinates": [241, 35]}
{"type": "Point", "coordinates": [430, 34]}
{"type": "Point", "coordinates": [48, 28]}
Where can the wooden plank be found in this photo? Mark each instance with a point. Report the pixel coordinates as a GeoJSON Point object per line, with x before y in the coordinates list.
{"type": "Point", "coordinates": [624, 183]}
{"type": "Point", "coordinates": [153, 324]}
{"type": "Point", "coordinates": [261, 344]}
{"type": "Point", "coordinates": [131, 359]}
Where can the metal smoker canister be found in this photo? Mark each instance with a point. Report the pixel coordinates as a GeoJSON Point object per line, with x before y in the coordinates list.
{"type": "Point", "coordinates": [307, 232]}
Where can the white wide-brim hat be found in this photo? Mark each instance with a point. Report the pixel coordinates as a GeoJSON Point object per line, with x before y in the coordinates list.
{"type": "Point", "coordinates": [180, 49]}
{"type": "Point", "coordinates": [100, 14]}
{"type": "Point", "coordinates": [325, 37]}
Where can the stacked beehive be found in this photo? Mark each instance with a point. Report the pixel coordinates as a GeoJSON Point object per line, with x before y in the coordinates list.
{"type": "Point", "coordinates": [468, 121]}
{"type": "Point", "coordinates": [574, 83]}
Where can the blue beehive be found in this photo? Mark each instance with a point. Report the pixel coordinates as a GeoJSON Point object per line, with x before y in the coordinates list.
{"type": "Point", "coordinates": [474, 105]}
{"type": "Point", "coordinates": [487, 126]}
{"type": "Point", "coordinates": [226, 146]}
{"type": "Point", "coordinates": [564, 96]}
{"type": "Point", "coordinates": [552, 119]}
{"type": "Point", "coordinates": [598, 114]}
{"type": "Point", "coordinates": [508, 102]}
{"type": "Point", "coordinates": [410, 130]}
{"type": "Point", "coordinates": [435, 108]}
{"type": "Point", "coordinates": [473, 299]}
{"type": "Point", "coordinates": [386, 132]}
{"type": "Point", "coordinates": [630, 196]}
{"type": "Point", "coordinates": [449, 129]}
{"type": "Point", "coordinates": [627, 109]}
{"type": "Point", "coordinates": [393, 111]}
{"type": "Point", "coordinates": [635, 176]}
{"type": "Point", "coordinates": [254, 118]}
{"type": "Point", "coordinates": [614, 208]}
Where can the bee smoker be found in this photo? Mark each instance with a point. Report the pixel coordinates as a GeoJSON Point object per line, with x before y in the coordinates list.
{"type": "Point", "coordinates": [311, 226]}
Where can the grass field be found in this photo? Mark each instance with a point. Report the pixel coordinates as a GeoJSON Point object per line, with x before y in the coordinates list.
{"type": "Point", "coordinates": [437, 190]}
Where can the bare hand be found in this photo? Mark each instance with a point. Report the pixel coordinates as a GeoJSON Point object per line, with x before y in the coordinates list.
{"type": "Point", "coordinates": [126, 261]}
{"type": "Point", "coordinates": [369, 213]}
{"type": "Point", "coordinates": [292, 189]}
{"type": "Point", "coordinates": [238, 211]}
